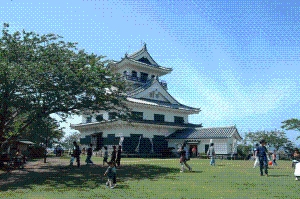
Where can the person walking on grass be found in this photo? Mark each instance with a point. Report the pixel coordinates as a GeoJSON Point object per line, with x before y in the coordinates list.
{"type": "Point", "coordinates": [89, 155]}
{"type": "Point", "coordinates": [118, 158]}
{"type": "Point", "coordinates": [110, 175]}
{"type": "Point", "coordinates": [274, 163]}
{"type": "Point", "coordinates": [75, 154]}
{"type": "Point", "coordinates": [211, 153]}
{"type": "Point", "coordinates": [256, 163]}
{"type": "Point", "coordinates": [262, 155]}
{"type": "Point", "coordinates": [105, 155]}
{"type": "Point", "coordinates": [182, 159]}
{"type": "Point", "coordinates": [113, 155]}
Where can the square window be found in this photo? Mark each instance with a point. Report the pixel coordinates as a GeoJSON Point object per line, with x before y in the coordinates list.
{"type": "Point", "coordinates": [159, 118]}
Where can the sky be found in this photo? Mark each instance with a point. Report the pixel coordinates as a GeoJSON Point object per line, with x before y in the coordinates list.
{"type": "Point", "coordinates": [236, 60]}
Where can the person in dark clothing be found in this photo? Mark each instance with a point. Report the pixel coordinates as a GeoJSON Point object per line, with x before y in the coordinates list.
{"type": "Point", "coordinates": [105, 155]}
{"type": "Point", "coordinates": [89, 155]}
{"type": "Point", "coordinates": [76, 154]}
{"type": "Point", "coordinates": [262, 152]}
{"type": "Point", "coordinates": [113, 155]}
{"type": "Point", "coordinates": [118, 158]}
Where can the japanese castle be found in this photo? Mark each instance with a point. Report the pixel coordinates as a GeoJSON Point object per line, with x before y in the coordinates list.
{"type": "Point", "coordinates": [160, 121]}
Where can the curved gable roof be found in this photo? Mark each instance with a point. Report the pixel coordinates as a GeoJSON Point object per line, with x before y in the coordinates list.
{"type": "Point", "coordinates": [143, 56]}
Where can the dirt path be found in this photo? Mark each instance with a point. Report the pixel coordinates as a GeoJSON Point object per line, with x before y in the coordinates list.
{"type": "Point", "coordinates": [32, 166]}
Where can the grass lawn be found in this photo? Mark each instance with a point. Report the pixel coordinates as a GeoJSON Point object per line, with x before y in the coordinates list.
{"type": "Point", "coordinates": [150, 178]}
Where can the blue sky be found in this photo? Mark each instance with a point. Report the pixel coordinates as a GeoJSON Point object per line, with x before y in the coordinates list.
{"type": "Point", "coordinates": [237, 60]}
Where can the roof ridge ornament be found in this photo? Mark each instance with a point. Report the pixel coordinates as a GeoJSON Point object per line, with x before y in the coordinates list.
{"type": "Point", "coordinates": [145, 46]}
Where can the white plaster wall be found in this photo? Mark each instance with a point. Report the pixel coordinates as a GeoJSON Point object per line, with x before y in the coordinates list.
{"type": "Point", "coordinates": [221, 146]}
{"type": "Point", "coordinates": [126, 130]}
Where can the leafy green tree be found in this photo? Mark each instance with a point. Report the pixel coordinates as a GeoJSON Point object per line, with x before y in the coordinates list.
{"type": "Point", "coordinates": [274, 138]}
{"type": "Point", "coordinates": [291, 124]}
{"type": "Point", "coordinates": [41, 75]}
{"type": "Point", "coordinates": [244, 150]}
{"type": "Point", "coordinates": [68, 140]}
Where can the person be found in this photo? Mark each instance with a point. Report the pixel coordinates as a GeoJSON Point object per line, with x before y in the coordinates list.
{"type": "Point", "coordinates": [110, 175]}
{"type": "Point", "coordinates": [75, 154]}
{"type": "Point", "coordinates": [105, 155]}
{"type": "Point", "coordinates": [256, 163]}
{"type": "Point", "coordinates": [187, 152]}
{"type": "Point", "coordinates": [182, 159]}
{"type": "Point", "coordinates": [211, 153]}
{"type": "Point", "coordinates": [274, 163]}
{"type": "Point", "coordinates": [296, 163]}
{"type": "Point", "coordinates": [118, 158]}
{"type": "Point", "coordinates": [296, 157]}
{"type": "Point", "coordinates": [113, 155]}
{"type": "Point", "coordinates": [262, 152]}
{"type": "Point", "coordinates": [194, 151]}
{"type": "Point", "coordinates": [19, 160]}
{"type": "Point", "coordinates": [89, 155]}
{"type": "Point", "coordinates": [114, 169]}
{"type": "Point", "coordinates": [83, 151]}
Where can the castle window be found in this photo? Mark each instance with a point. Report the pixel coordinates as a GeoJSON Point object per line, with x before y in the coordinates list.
{"type": "Point", "coordinates": [134, 75]}
{"type": "Point", "coordinates": [178, 120]}
{"type": "Point", "coordinates": [151, 94]}
{"type": "Point", "coordinates": [159, 118]}
{"type": "Point", "coordinates": [137, 115]}
{"type": "Point", "coordinates": [112, 115]}
{"type": "Point", "coordinates": [99, 118]}
{"type": "Point", "coordinates": [89, 119]}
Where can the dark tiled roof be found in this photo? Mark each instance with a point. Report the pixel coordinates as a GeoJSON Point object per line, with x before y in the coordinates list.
{"type": "Point", "coordinates": [205, 133]}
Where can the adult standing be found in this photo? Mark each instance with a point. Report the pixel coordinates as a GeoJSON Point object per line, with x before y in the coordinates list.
{"type": "Point", "coordinates": [256, 163]}
{"type": "Point", "coordinates": [211, 153]}
{"type": "Point", "coordinates": [118, 158]}
{"type": "Point", "coordinates": [76, 153]}
{"type": "Point", "coordinates": [113, 155]}
{"type": "Point", "coordinates": [262, 155]}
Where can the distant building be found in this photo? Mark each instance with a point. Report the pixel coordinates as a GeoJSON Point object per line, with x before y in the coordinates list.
{"type": "Point", "coordinates": [159, 122]}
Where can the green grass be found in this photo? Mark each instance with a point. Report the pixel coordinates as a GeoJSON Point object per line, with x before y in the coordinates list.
{"type": "Point", "coordinates": [153, 178]}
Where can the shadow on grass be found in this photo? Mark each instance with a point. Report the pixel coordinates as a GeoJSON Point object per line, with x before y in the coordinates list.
{"type": "Point", "coordinates": [274, 175]}
{"type": "Point", "coordinates": [85, 177]}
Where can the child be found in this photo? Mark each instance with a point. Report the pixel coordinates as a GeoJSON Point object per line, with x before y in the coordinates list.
{"type": "Point", "coordinates": [182, 159]}
{"type": "Point", "coordinates": [113, 154]}
{"type": "Point", "coordinates": [110, 175]}
{"type": "Point", "coordinates": [118, 159]}
{"type": "Point", "coordinates": [89, 155]}
{"type": "Point", "coordinates": [114, 169]}
{"type": "Point", "coordinates": [105, 155]}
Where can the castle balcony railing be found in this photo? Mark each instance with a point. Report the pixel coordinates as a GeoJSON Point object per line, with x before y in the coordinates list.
{"type": "Point", "coordinates": [144, 80]}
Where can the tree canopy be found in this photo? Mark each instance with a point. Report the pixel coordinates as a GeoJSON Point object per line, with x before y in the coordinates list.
{"type": "Point", "coordinates": [275, 138]}
{"type": "Point", "coordinates": [42, 74]}
{"type": "Point", "coordinates": [291, 124]}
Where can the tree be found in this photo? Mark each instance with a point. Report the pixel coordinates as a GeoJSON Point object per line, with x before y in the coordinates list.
{"type": "Point", "coordinates": [274, 138]}
{"type": "Point", "coordinates": [291, 124]}
{"type": "Point", "coordinates": [41, 75]}
{"type": "Point", "coordinates": [244, 150]}
{"type": "Point", "coordinates": [68, 140]}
